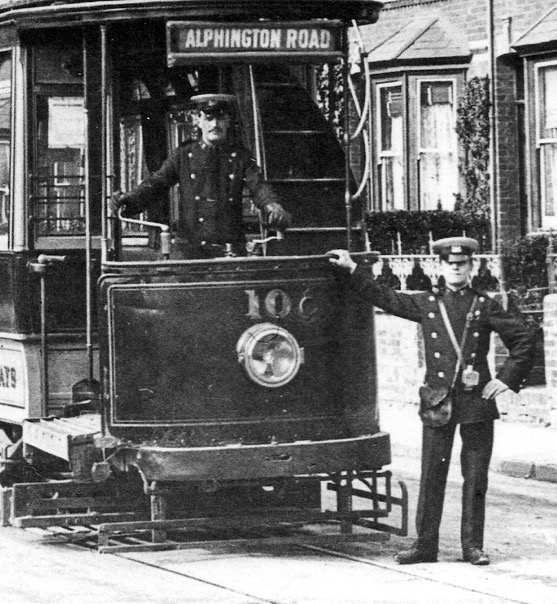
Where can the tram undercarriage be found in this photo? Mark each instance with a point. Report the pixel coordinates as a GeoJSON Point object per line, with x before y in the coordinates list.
{"type": "Point", "coordinates": [126, 511]}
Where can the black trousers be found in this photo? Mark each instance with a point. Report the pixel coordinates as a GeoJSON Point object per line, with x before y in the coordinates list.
{"type": "Point", "coordinates": [437, 444]}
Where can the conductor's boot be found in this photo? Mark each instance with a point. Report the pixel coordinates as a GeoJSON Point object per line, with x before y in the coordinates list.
{"type": "Point", "coordinates": [415, 556]}
{"type": "Point", "coordinates": [476, 556]}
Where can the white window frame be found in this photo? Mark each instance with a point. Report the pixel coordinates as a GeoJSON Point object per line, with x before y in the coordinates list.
{"type": "Point", "coordinates": [547, 222]}
{"type": "Point", "coordinates": [381, 153]}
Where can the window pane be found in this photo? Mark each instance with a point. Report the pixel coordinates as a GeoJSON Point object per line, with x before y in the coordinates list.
{"type": "Point", "coordinates": [548, 101]}
{"type": "Point", "coordinates": [58, 172]}
{"type": "Point", "coordinates": [59, 186]}
{"type": "Point", "coordinates": [438, 169]}
{"type": "Point", "coordinates": [549, 182]}
{"type": "Point", "coordinates": [391, 150]}
{"type": "Point", "coordinates": [5, 137]}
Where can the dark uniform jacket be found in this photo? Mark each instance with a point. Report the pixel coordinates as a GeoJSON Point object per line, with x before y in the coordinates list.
{"type": "Point", "coordinates": [440, 354]}
{"type": "Point", "coordinates": [211, 182]}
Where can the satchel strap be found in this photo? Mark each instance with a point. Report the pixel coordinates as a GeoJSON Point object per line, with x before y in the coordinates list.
{"type": "Point", "coordinates": [452, 336]}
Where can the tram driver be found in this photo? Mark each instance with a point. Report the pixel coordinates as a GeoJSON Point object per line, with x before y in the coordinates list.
{"type": "Point", "coordinates": [212, 173]}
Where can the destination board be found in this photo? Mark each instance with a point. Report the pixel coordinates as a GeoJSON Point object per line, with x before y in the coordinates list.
{"type": "Point", "coordinates": [194, 42]}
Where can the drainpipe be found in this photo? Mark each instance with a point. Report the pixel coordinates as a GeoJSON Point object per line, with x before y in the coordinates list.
{"type": "Point", "coordinates": [493, 163]}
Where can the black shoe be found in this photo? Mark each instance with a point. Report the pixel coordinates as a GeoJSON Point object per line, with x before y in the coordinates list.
{"type": "Point", "coordinates": [415, 556]}
{"type": "Point", "coordinates": [476, 556]}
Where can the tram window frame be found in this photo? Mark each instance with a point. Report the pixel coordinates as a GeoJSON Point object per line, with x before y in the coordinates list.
{"type": "Point", "coordinates": [6, 157]}
{"type": "Point", "coordinates": [57, 196]}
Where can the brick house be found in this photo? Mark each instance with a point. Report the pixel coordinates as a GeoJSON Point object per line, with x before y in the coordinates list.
{"type": "Point", "coordinates": [420, 54]}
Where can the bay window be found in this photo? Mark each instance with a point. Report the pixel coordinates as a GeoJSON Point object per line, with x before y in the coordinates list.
{"type": "Point", "coordinates": [416, 144]}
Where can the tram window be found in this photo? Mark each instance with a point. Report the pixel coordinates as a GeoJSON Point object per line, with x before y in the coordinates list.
{"type": "Point", "coordinates": [5, 138]}
{"type": "Point", "coordinates": [57, 184]}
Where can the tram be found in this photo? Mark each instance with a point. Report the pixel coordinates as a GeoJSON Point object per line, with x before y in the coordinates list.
{"type": "Point", "coordinates": [138, 387]}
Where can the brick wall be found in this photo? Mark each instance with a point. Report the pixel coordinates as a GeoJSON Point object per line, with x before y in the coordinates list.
{"type": "Point", "coordinates": [508, 152]}
{"type": "Point", "coordinates": [400, 359]}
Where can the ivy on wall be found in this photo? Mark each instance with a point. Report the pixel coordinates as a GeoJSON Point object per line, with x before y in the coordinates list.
{"type": "Point", "coordinates": [473, 131]}
{"type": "Point", "coordinates": [525, 268]}
{"type": "Point", "coordinates": [330, 92]}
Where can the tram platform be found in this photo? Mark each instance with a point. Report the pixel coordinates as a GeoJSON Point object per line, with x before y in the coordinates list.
{"type": "Point", "coordinates": [522, 450]}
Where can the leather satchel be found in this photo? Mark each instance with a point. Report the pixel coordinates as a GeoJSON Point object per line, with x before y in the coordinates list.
{"type": "Point", "coordinates": [436, 405]}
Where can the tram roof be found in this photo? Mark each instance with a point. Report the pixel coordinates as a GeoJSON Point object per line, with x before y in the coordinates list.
{"type": "Point", "coordinates": [46, 13]}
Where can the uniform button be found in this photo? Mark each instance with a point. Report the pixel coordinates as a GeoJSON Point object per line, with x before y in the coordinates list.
{"type": "Point", "coordinates": [202, 219]}
{"type": "Point", "coordinates": [203, 243]}
{"type": "Point", "coordinates": [197, 198]}
{"type": "Point", "coordinates": [190, 154]}
{"type": "Point", "coordinates": [441, 374]}
{"type": "Point", "coordinates": [233, 154]}
{"type": "Point", "coordinates": [437, 355]}
{"type": "Point", "coordinates": [482, 299]}
{"type": "Point", "coordinates": [231, 176]}
{"type": "Point", "coordinates": [473, 355]}
{"type": "Point", "coordinates": [476, 334]}
{"type": "Point", "coordinates": [431, 315]}
{"type": "Point", "coordinates": [192, 176]}
{"type": "Point", "coordinates": [432, 298]}
{"type": "Point", "coordinates": [434, 335]}
{"type": "Point", "coordinates": [231, 199]}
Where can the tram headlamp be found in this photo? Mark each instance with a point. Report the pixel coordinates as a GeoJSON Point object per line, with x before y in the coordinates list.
{"type": "Point", "coordinates": [270, 355]}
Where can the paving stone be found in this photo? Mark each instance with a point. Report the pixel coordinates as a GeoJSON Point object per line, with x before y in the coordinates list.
{"type": "Point", "coordinates": [547, 472]}
{"type": "Point", "coordinates": [516, 468]}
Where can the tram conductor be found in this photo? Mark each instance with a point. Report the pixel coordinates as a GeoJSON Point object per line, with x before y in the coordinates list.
{"type": "Point", "coordinates": [457, 321]}
{"type": "Point", "coordinates": [212, 173]}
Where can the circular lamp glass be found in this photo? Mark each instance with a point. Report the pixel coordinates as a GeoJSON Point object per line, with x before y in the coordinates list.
{"type": "Point", "coordinates": [270, 355]}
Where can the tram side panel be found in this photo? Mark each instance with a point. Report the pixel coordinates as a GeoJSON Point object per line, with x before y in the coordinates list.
{"type": "Point", "coordinates": [21, 362]}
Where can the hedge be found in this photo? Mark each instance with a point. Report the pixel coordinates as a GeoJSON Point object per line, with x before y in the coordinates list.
{"type": "Point", "coordinates": [415, 227]}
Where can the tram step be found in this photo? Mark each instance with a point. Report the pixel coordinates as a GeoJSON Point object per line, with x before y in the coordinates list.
{"type": "Point", "coordinates": [58, 436]}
